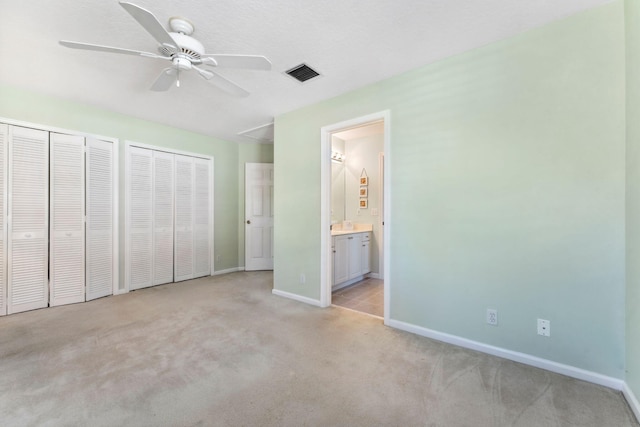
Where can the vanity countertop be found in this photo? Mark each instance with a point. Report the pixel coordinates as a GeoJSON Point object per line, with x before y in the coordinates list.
{"type": "Point", "coordinates": [343, 232]}
{"type": "Point", "coordinates": [357, 228]}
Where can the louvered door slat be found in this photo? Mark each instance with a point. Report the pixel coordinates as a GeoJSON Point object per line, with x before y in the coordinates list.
{"type": "Point", "coordinates": [4, 131]}
{"type": "Point", "coordinates": [184, 218]}
{"type": "Point", "coordinates": [163, 189]}
{"type": "Point", "coordinates": [202, 217]}
{"type": "Point", "coordinates": [66, 254]}
{"type": "Point", "coordinates": [140, 259]}
{"type": "Point", "coordinates": [99, 228]}
{"type": "Point", "coordinates": [4, 134]}
{"type": "Point", "coordinates": [28, 226]}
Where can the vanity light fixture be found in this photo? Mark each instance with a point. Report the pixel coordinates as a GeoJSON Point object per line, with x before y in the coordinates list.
{"type": "Point", "coordinates": [337, 157]}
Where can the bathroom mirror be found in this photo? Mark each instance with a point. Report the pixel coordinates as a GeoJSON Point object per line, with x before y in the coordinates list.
{"type": "Point", "coordinates": [337, 192]}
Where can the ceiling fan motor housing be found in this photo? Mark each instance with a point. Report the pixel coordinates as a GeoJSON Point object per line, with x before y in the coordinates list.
{"type": "Point", "coordinates": [187, 47]}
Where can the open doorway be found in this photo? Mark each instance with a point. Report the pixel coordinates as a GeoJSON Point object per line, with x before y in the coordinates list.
{"type": "Point", "coordinates": [355, 215]}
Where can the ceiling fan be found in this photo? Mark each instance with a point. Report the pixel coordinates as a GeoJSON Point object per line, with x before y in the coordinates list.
{"type": "Point", "coordinates": [183, 51]}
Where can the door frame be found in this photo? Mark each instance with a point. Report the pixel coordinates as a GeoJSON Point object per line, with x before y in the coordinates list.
{"type": "Point", "coordinates": [326, 269]}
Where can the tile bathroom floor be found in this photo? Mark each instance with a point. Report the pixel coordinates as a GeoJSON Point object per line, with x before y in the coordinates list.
{"type": "Point", "coordinates": [366, 296]}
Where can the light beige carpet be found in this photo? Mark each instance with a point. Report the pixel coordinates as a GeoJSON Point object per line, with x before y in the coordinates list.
{"type": "Point", "coordinates": [224, 351]}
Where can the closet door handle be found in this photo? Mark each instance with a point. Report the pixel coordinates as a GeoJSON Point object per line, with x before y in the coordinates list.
{"type": "Point", "coordinates": [248, 221]}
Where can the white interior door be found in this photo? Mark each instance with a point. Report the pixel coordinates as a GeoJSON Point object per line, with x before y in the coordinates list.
{"type": "Point", "coordinates": [28, 224]}
{"type": "Point", "coordinates": [140, 218]}
{"type": "Point", "coordinates": [66, 234]}
{"type": "Point", "coordinates": [163, 189]}
{"type": "Point", "coordinates": [184, 265]}
{"type": "Point", "coordinates": [202, 217]}
{"type": "Point", "coordinates": [4, 134]}
{"type": "Point", "coordinates": [99, 275]}
{"type": "Point", "coordinates": [259, 216]}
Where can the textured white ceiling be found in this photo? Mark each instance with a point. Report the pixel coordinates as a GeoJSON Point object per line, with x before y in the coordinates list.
{"type": "Point", "coordinates": [352, 43]}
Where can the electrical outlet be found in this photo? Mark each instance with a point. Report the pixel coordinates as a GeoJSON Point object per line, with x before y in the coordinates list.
{"type": "Point", "coordinates": [492, 316]}
{"type": "Point", "coordinates": [544, 328]}
{"type": "Point", "coordinates": [303, 279]}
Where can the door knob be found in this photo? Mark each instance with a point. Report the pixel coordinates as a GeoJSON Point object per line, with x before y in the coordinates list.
{"type": "Point", "coordinates": [248, 221]}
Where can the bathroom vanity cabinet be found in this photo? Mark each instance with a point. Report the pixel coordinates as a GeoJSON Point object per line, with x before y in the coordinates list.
{"type": "Point", "coordinates": [351, 257]}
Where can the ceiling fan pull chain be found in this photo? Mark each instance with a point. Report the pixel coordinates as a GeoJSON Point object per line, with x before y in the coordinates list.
{"type": "Point", "coordinates": [178, 78]}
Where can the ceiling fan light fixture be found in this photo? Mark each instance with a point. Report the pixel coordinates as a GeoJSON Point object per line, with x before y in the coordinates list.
{"type": "Point", "coordinates": [182, 63]}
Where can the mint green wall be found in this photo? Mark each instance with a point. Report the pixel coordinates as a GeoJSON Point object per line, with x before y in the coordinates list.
{"type": "Point", "coordinates": [248, 153]}
{"type": "Point", "coordinates": [507, 191]}
{"type": "Point", "coordinates": [632, 14]}
{"type": "Point", "coordinates": [18, 104]}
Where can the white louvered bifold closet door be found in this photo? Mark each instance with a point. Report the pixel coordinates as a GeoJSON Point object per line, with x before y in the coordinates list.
{"type": "Point", "coordinates": [163, 189]}
{"type": "Point", "coordinates": [4, 134]}
{"type": "Point", "coordinates": [140, 217]}
{"type": "Point", "coordinates": [99, 229]}
{"type": "Point", "coordinates": [66, 234]}
{"type": "Point", "coordinates": [28, 223]}
{"type": "Point", "coordinates": [202, 218]}
{"type": "Point", "coordinates": [184, 218]}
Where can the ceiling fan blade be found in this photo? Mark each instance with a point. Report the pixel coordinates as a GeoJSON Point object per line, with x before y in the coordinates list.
{"type": "Point", "coordinates": [151, 24]}
{"type": "Point", "coordinates": [204, 73]}
{"type": "Point", "coordinates": [251, 62]}
{"type": "Point", "coordinates": [227, 85]}
{"type": "Point", "coordinates": [100, 48]}
{"type": "Point", "coordinates": [164, 80]}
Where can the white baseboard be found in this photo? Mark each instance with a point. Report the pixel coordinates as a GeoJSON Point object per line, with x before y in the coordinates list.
{"type": "Point", "coordinates": [374, 276]}
{"type": "Point", "coordinates": [228, 270]}
{"type": "Point", "coordinates": [632, 400]}
{"type": "Point", "coordinates": [300, 298]}
{"type": "Point", "coordinates": [559, 368]}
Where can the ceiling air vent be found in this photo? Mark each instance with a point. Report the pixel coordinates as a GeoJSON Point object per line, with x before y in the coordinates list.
{"type": "Point", "coordinates": [302, 73]}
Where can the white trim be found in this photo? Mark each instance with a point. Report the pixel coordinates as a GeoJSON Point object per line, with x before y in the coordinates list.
{"type": "Point", "coordinates": [380, 219]}
{"type": "Point", "coordinates": [326, 266]}
{"type": "Point", "coordinates": [326, 272]}
{"type": "Point", "coordinates": [127, 220]}
{"type": "Point", "coordinates": [4, 244]}
{"type": "Point", "coordinates": [296, 297]}
{"type": "Point", "coordinates": [211, 221]}
{"type": "Point", "coordinates": [632, 400]}
{"type": "Point", "coordinates": [228, 270]}
{"type": "Point", "coordinates": [549, 365]}
{"type": "Point", "coordinates": [167, 150]}
{"type": "Point", "coordinates": [373, 276]}
{"type": "Point", "coordinates": [116, 218]}
{"type": "Point", "coordinates": [38, 126]}
{"type": "Point", "coordinates": [386, 218]}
